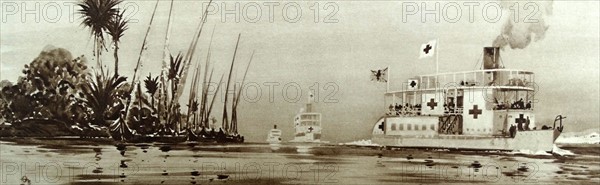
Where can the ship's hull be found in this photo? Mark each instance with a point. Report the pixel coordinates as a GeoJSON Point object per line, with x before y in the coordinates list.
{"type": "Point", "coordinates": [309, 142]}
{"type": "Point", "coordinates": [308, 139]}
{"type": "Point", "coordinates": [274, 140]}
{"type": "Point", "coordinates": [535, 140]}
{"type": "Point", "coordinates": [274, 136]}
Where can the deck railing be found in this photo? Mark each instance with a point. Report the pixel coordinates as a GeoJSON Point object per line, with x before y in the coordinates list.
{"type": "Point", "coordinates": [417, 111]}
{"type": "Point", "coordinates": [492, 77]}
{"type": "Point", "coordinates": [453, 111]}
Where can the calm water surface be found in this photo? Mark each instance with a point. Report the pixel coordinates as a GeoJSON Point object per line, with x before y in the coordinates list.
{"type": "Point", "coordinates": [285, 164]}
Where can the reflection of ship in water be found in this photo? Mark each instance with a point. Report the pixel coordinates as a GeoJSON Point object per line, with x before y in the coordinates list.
{"type": "Point", "coordinates": [488, 109]}
{"type": "Point", "coordinates": [307, 124]}
{"type": "Point", "coordinates": [303, 149]}
{"type": "Point", "coordinates": [274, 135]}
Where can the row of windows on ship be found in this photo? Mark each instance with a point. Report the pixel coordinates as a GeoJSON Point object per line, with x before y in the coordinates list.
{"type": "Point", "coordinates": [400, 127]}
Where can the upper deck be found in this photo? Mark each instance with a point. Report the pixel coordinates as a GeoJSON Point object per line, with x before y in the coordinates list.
{"type": "Point", "coordinates": [307, 117]}
{"type": "Point", "coordinates": [503, 79]}
{"type": "Point", "coordinates": [485, 102]}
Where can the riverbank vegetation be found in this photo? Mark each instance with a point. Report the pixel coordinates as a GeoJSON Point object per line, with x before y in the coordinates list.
{"type": "Point", "coordinates": [61, 95]}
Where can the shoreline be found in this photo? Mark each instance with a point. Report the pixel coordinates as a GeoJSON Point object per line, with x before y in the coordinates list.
{"type": "Point", "coordinates": [58, 141]}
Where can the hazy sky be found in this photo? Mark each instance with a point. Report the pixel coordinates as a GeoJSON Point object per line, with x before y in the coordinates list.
{"type": "Point", "coordinates": [334, 54]}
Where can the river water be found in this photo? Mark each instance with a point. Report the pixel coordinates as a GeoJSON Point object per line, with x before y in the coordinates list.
{"type": "Point", "coordinates": [285, 164]}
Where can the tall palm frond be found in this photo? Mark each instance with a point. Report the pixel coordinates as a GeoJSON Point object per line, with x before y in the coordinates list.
{"type": "Point", "coordinates": [151, 85]}
{"type": "Point", "coordinates": [115, 28]}
{"type": "Point", "coordinates": [97, 15]}
{"type": "Point", "coordinates": [175, 66]}
{"type": "Point", "coordinates": [194, 106]}
{"type": "Point", "coordinates": [173, 75]}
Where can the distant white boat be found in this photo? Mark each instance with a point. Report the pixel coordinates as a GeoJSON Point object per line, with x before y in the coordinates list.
{"type": "Point", "coordinates": [274, 136]}
{"type": "Point", "coordinates": [307, 124]}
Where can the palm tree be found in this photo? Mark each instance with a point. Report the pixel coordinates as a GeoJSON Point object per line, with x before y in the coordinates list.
{"type": "Point", "coordinates": [115, 28]}
{"type": "Point", "coordinates": [173, 76]}
{"type": "Point", "coordinates": [101, 95]}
{"type": "Point", "coordinates": [193, 110]}
{"type": "Point", "coordinates": [151, 85]}
{"type": "Point", "coordinates": [175, 69]}
{"type": "Point", "coordinates": [97, 15]}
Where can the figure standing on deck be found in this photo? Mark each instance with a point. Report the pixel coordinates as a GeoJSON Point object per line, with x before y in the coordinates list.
{"type": "Point", "coordinates": [512, 131]}
{"type": "Point", "coordinates": [527, 123]}
{"type": "Point", "coordinates": [520, 126]}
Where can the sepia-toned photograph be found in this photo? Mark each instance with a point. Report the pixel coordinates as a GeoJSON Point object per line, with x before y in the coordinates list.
{"type": "Point", "coordinates": [299, 92]}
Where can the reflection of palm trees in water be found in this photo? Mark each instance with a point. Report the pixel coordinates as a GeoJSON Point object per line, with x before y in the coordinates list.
{"type": "Point", "coordinates": [144, 148]}
{"type": "Point", "coordinates": [121, 148]}
{"type": "Point", "coordinates": [166, 149]}
{"type": "Point", "coordinates": [123, 164]}
{"type": "Point", "coordinates": [98, 157]}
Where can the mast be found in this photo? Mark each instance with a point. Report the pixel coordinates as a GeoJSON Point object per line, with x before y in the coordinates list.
{"type": "Point", "coordinates": [144, 43]}
{"type": "Point", "coordinates": [225, 119]}
{"type": "Point", "coordinates": [233, 112]}
{"type": "Point", "coordinates": [204, 89]}
{"type": "Point", "coordinates": [160, 101]}
{"type": "Point", "coordinates": [205, 113]}
{"type": "Point", "coordinates": [189, 57]}
{"type": "Point", "coordinates": [139, 61]}
{"type": "Point", "coordinates": [139, 100]}
{"type": "Point", "coordinates": [164, 66]}
{"type": "Point", "coordinates": [237, 99]}
{"type": "Point", "coordinates": [213, 99]}
{"type": "Point", "coordinates": [192, 100]}
{"type": "Point", "coordinates": [166, 46]}
{"type": "Point", "coordinates": [437, 58]}
{"type": "Point", "coordinates": [387, 81]}
{"type": "Point", "coordinates": [190, 54]}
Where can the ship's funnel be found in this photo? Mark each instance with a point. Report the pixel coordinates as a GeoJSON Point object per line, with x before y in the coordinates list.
{"type": "Point", "coordinates": [309, 107]}
{"type": "Point", "coordinates": [491, 58]}
{"type": "Point", "coordinates": [311, 100]}
{"type": "Point", "coordinates": [274, 126]}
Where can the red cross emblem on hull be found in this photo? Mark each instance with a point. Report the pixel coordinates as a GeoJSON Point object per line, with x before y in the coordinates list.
{"type": "Point", "coordinates": [475, 111]}
{"type": "Point", "coordinates": [432, 104]}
